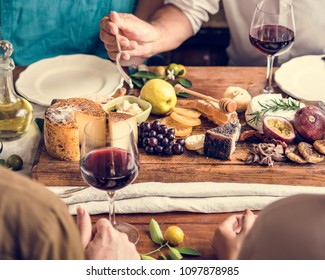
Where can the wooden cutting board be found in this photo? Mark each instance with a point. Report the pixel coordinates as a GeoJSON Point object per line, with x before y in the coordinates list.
{"type": "Point", "coordinates": [189, 167]}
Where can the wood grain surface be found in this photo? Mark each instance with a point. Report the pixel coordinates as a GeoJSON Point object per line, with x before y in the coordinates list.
{"type": "Point", "coordinates": [192, 167]}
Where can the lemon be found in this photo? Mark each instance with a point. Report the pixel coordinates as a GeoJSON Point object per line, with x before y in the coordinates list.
{"type": "Point", "coordinates": [174, 235]}
{"type": "Point", "coordinates": [160, 94]}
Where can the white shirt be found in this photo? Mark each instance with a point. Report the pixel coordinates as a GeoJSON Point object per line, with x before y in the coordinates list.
{"type": "Point", "coordinates": [309, 21]}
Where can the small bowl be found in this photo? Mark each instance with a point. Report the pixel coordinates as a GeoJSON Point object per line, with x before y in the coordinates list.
{"type": "Point", "coordinates": [144, 105]}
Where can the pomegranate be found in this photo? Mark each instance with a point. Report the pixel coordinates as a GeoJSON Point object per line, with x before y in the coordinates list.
{"type": "Point", "coordinates": [309, 122]}
{"type": "Point", "coordinates": [278, 128]}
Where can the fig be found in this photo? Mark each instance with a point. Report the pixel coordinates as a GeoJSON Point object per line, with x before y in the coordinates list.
{"type": "Point", "coordinates": [278, 128]}
{"type": "Point", "coordinates": [309, 122]}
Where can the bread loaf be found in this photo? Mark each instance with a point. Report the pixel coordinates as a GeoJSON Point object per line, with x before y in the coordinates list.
{"type": "Point", "coordinates": [64, 123]}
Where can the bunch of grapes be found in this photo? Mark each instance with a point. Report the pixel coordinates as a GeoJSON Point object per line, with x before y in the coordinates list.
{"type": "Point", "coordinates": [157, 139]}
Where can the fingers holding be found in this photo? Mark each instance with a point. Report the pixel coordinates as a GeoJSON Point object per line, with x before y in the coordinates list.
{"type": "Point", "coordinates": [248, 220]}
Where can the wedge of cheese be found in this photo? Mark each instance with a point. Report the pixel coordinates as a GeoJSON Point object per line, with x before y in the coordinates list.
{"type": "Point", "coordinates": [119, 122]}
{"type": "Point", "coordinates": [64, 123]}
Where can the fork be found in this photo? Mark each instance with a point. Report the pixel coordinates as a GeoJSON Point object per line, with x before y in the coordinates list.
{"type": "Point", "coordinates": [125, 76]}
{"type": "Point", "coordinates": [70, 192]}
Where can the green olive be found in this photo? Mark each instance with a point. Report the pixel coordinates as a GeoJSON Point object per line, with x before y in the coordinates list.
{"type": "Point", "coordinates": [15, 162]}
{"type": "Point", "coordinates": [2, 162]}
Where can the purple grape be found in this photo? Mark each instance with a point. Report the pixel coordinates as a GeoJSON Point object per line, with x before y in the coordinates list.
{"type": "Point", "coordinates": [153, 142]}
{"type": "Point", "coordinates": [155, 125]}
{"type": "Point", "coordinates": [149, 150]}
{"type": "Point", "coordinates": [177, 149]}
{"type": "Point", "coordinates": [168, 150]}
{"type": "Point", "coordinates": [181, 142]}
{"type": "Point", "coordinates": [152, 133]}
{"type": "Point", "coordinates": [165, 142]}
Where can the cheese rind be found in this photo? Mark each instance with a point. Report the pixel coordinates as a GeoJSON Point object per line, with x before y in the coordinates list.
{"type": "Point", "coordinates": [64, 122]}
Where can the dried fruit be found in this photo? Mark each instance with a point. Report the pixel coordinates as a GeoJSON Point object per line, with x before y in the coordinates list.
{"type": "Point", "coordinates": [310, 123]}
{"type": "Point", "coordinates": [319, 145]}
{"type": "Point", "coordinates": [187, 112]}
{"type": "Point", "coordinates": [180, 130]}
{"type": "Point", "coordinates": [184, 120]}
{"type": "Point", "coordinates": [278, 128]}
{"type": "Point", "coordinates": [309, 153]}
{"type": "Point", "coordinates": [293, 154]}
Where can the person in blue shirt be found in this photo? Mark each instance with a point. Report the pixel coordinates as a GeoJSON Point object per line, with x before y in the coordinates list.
{"type": "Point", "coordinates": [41, 29]}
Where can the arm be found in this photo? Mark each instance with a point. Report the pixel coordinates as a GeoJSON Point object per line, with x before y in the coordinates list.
{"type": "Point", "coordinates": [146, 8]}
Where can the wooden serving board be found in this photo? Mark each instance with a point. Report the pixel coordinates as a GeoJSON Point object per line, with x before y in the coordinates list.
{"type": "Point", "coordinates": [189, 167]}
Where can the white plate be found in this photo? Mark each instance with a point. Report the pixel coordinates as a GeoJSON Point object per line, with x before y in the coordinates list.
{"type": "Point", "coordinates": [303, 77]}
{"type": "Point", "coordinates": [68, 76]}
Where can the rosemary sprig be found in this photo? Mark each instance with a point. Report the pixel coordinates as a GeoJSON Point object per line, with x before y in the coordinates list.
{"type": "Point", "coordinates": [275, 105]}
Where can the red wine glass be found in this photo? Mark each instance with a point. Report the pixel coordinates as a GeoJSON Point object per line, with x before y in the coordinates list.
{"type": "Point", "coordinates": [272, 33]}
{"type": "Point", "coordinates": [109, 162]}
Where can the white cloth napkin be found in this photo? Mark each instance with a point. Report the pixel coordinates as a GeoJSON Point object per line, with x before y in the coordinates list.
{"type": "Point", "coordinates": [26, 147]}
{"type": "Point", "coordinates": [205, 197]}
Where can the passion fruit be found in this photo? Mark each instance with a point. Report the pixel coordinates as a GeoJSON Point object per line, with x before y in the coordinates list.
{"type": "Point", "coordinates": [309, 122]}
{"type": "Point", "coordinates": [278, 128]}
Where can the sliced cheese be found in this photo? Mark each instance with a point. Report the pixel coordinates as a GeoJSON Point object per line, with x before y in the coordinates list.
{"type": "Point", "coordinates": [116, 117]}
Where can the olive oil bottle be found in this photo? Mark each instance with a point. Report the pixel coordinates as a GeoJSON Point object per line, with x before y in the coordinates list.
{"type": "Point", "coordinates": [16, 113]}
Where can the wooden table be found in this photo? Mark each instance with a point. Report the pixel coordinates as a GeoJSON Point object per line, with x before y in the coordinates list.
{"type": "Point", "coordinates": [198, 228]}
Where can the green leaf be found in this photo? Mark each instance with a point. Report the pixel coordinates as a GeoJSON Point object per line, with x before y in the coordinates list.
{"type": "Point", "coordinates": [146, 258]}
{"type": "Point", "coordinates": [181, 72]}
{"type": "Point", "coordinates": [183, 94]}
{"type": "Point", "coordinates": [174, 254]}
{"type": "Point", "coordinates": [185, 82]}
{"type": "Point", "coordinates": [144, 74]}
{"type": "Point", "coordinates": [138, 82]}
{"type": "Point", "coordinates": [188, 251]}
{"type": "Point", "coordinates": [155, 232]}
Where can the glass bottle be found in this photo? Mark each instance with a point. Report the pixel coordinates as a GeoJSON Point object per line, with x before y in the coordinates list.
{"type": "Point", "coordinates": [16, 113]}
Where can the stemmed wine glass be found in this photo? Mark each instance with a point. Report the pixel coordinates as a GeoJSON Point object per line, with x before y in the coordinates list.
{"type": "Point", "coordinates": [109, 162]}
{"type": "Point", "coordinates": [272, 33]}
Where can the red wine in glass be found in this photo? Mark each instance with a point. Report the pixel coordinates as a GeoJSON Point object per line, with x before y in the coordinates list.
{"type": "Point", "coordinates": [272, 39]}
{"type": "Point", "coordinates": [108, 169]}
{"type": "Point", "coordinates": [272, 33]}
{"type": "Point", "coordinates": [109, 162]}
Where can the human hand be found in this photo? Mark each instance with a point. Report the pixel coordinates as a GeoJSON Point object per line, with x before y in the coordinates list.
{"type": "Point", "coordinates": [136, 36]}
{"type": "Point", "coordinates": [229, 235]}
{"type": "Point", "coordinates": [102, 241]}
